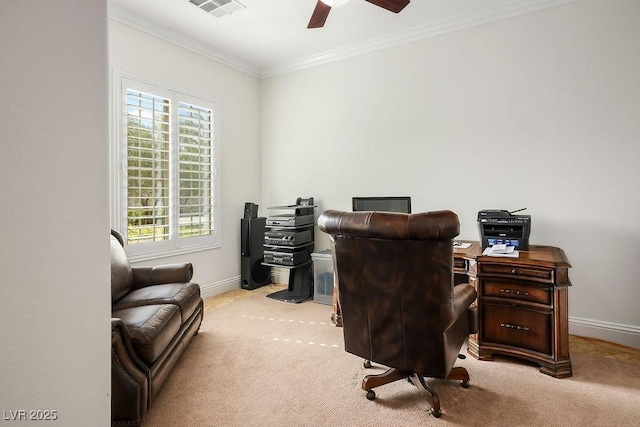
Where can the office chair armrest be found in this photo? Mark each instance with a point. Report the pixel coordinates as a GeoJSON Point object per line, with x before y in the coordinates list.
{"type": "Point", "coordinates": [473, 320]}
{"type": "Point", "coordinates": [463, 296]}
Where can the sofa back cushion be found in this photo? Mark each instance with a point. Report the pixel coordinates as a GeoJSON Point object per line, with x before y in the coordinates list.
{"type": "Point", "coordinates": [121, 274]}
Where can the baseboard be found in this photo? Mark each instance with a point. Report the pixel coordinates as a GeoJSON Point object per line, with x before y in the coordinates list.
{"type": "Point", "coordinates": [217, 288]}
{"type": "Point", "coordinates": [278, 275]}
{"type": "Point", "coordinates": [627, 335]}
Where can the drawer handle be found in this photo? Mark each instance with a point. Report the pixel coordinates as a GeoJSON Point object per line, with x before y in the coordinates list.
{"type": "Point", "coordinates": [509, 291]}
{"type": "Point", "coordinates": [516, 327]}
{"type": "Point", "coordinates": [514, 271]}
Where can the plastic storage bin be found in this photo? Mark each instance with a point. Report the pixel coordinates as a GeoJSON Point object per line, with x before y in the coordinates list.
{"type": "Point", "coordinates": [323, 277]}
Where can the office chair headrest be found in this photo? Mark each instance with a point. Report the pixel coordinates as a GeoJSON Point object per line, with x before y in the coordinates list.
{"type": "Point", "coordinates": [436, 225]}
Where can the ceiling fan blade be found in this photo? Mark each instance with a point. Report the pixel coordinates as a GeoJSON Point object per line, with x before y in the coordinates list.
{"type": "Point", "coordinates": [394, 6]}
{"type": "Point", "coordinates": [319, 16]}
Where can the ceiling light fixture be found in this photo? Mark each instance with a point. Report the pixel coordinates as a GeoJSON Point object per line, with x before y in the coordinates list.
{"type": "Point", "coordinates": [334, 3]}
{"type": "Point", "coordinates": [218, 8]}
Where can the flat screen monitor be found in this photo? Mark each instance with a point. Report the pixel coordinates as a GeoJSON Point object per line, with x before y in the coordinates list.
{"type": "Point", "coordinates": [383, 204]}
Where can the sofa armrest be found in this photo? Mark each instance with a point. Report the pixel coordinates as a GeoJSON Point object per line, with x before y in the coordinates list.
{"type": "Point", "coordinates": [157, 275]}
{"type": "Point", "coordinates": [120, 337]}
{"type": "Point", "coordinates": [129, 378]}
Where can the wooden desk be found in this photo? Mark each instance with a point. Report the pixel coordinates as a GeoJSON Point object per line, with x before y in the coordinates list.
{"type": "Point", "coordinates": [523, 308]}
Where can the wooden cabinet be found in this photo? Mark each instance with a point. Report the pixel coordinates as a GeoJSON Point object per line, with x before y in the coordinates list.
{"type": "Point", "coordinates": [523, 305]}
{"type": "Point", "coordinates": [523, 308]}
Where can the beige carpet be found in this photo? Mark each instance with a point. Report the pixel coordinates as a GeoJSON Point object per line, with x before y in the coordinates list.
{"type": "Point", "coordinates": [261, 362]}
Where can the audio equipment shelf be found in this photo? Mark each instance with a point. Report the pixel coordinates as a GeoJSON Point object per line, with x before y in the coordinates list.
{"type": "Point", "coordinates": [284, 266]}
{"type": "Point", "coordinates": [304, 245]}
{"type": "Point", "coordinates": [288, 243]}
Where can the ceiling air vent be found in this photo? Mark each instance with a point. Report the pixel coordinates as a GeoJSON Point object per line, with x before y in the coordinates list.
{"type": "Point", "coordinates": [218, 8]}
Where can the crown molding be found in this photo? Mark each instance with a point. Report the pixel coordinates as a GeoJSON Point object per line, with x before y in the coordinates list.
{"type": "Point", "coordinates": [139, 22]}
{"type": "Point", "coordinates": [502, 11]}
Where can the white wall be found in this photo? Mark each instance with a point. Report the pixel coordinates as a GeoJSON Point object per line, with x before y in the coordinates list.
{"type": "Point", "coordinates": [237, 96]}
{"type": "Point", "coordinates": [539, 111]}
{"type": "Point", "coordinates": [54, 256]}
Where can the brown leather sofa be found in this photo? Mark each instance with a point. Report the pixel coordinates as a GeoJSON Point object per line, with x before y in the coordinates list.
{"type": "Point", "coordinates": [155, 313]}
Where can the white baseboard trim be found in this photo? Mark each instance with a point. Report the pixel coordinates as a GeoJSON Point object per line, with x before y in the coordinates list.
{"type": "Point", "coordinates": [278, 275]}
{"type": "Point", "coordinates": [628, 335]}
{"type": "Point", "coordinates": [217, 288]}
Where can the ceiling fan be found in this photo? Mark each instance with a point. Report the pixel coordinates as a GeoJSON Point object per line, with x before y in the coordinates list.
{"type": "Point", "coordinates": [320, 13]}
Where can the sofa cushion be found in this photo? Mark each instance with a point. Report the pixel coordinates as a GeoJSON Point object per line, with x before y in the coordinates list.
{"type": "Point", "coordinates": [151, 327]}
{"type": "Point", "coordinates": [184, 295]}
{"type": "Point", "coordinates": [121, 274]}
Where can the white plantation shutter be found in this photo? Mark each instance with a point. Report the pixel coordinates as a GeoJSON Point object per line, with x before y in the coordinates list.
{"type": "Point", "coordinates": [195, 169]}
{"type": "Point", "coordinates": [148, 168]}
{"type": "Point", "coordinates": [169, 201]}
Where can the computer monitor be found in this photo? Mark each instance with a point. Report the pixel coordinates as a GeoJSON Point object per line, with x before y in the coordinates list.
{"type": "Point", "coordinates": [383, 204]}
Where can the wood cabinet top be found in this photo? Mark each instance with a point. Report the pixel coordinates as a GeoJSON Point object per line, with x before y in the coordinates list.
{"type": "Point", "coordinates": [543, 256]}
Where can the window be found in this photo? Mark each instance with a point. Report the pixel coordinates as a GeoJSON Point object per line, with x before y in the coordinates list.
{"type": "Point", "coordinates": [168, 200]}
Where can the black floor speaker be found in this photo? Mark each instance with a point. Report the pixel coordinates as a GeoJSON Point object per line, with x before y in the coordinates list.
{"type": "Point", "coordinates": [252, 273]}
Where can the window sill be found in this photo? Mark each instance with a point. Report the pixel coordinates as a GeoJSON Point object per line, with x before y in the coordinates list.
{"type": "Point", "coordinates": [169, 253]}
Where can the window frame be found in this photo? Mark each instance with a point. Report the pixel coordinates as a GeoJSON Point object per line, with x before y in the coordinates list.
{"type": "Point", "coordinates": [121, 81]}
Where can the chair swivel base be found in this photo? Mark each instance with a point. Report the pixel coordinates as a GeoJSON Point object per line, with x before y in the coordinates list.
{"type": "Point", "coordinates": [392, 374]}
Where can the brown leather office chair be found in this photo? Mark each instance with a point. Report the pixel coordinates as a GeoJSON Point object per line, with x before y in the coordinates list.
{"type": "Point", "coordinates": [394, 274]}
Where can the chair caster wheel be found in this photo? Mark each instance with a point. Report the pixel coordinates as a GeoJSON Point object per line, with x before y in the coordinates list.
{"type": "Point", "coordinates": [371, 394]}
{"type": "Point", "coordinates": [437, 413]}
{"type": "Point", "coordinates": [465, 384]}
{"type": "Point", "coordinates": [367, 364]}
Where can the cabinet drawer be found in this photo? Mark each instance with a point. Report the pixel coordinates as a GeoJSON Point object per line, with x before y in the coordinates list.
{"type": "Point", "coordinates": [460, 264]}
{"type": "Point", "coordinates": [544, 275]}
{"type": "Point", "coordinates": [514, 290]}
{"type": "Point", "coordinates": [517, 326]}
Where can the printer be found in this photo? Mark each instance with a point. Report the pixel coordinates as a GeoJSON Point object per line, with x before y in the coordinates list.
{"type": "Point", "coordinates": [504, 227]}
